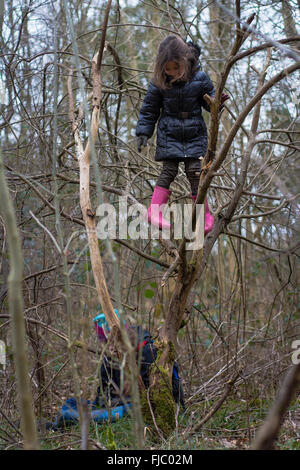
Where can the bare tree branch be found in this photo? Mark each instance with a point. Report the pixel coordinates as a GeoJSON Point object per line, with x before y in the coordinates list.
{"type": "Point", "coordinates": [268, 433]}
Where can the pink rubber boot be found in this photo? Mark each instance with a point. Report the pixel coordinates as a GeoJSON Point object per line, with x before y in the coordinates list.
{"type": "Point", "coordinates": [160, 196]}
{"type": "Point", "coordinates": [208, 217]}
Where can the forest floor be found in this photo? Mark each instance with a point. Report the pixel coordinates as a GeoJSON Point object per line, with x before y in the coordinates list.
{"type": "Point", "coordinates": [232, 427]}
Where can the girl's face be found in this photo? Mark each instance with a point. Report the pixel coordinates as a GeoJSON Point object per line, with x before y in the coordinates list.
{"type": "Point", "coordinates": [173, 69]}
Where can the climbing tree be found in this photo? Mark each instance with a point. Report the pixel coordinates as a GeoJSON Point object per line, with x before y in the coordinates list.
{"type": "Point", "coordinates": [74, 81]}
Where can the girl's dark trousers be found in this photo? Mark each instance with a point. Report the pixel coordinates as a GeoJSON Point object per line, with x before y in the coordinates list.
{"type": "Point", "coordinates": [170, 170]}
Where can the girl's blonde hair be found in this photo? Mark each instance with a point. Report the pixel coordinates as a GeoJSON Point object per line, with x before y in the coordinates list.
{"type": "Point", "coordinates": [174, 49]}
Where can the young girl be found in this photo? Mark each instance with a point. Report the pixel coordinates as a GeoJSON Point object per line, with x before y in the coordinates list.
{"type": "Point", "coordinates": [175, 97]}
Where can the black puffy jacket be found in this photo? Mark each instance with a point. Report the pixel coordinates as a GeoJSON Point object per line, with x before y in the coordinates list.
{"type": "Point", "coordinates": [111, 379]}
{"type": "Point", "coordinates": [181, 130]}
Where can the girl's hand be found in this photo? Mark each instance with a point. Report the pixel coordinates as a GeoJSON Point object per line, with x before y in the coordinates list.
{"type": "Point", "coordinates": [224, 98]}
{"type": "Point", "coordinates": [209, 100]}
{"type": "Point", "coordinates": [141, 142]}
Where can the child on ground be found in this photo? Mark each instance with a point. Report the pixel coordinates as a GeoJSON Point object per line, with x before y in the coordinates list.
{"type": "Point", "coordinates": [175, 97]}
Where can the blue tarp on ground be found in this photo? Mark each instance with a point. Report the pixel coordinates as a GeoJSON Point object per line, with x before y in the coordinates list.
{"type": "Point", "coordinates": [69, 413]}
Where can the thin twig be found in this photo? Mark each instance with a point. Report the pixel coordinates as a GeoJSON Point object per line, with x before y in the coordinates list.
{"type": "Point", "coordinates": [10, 422]}
{"type": "Point", "coordinates": [46, 230]}
{"type": "Point", "coordinates": [152, 414]}
{"type": "Point", "coordinates": [218, 405]}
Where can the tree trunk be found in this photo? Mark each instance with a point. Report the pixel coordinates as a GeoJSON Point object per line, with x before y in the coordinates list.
{"type": "Point", "coordinates": [15, 298]}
